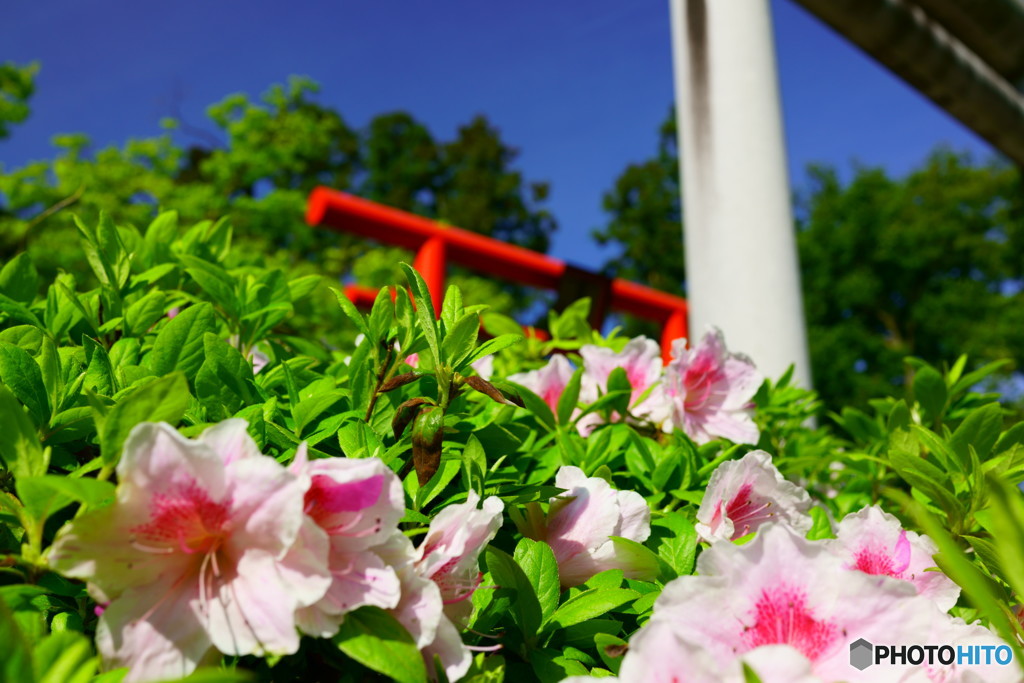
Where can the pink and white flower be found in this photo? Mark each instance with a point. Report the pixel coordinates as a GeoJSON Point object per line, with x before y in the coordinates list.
{"type": "Point", "coordinates": [547, 382]}
{"type": "Point", "coordinates": [746, 493]}
{"type": "Point", "coordinates": [660, 651]}
{"type": "Point", "coordinates": [874, 542]}
{"type": "Point", "coordinates": [783, 606]}
{"type": "Point", "coordinates": [641, 360]}
{"type": "Point", "coordinates": [198, 551]}
{"type": "Point", "coordinates": [581, 522]}
{"type": "Point", "coordinates": [781, 589]}
{"type": "Point", "coordinates": [354, 506]}
{"type": "Point", "coordinates": [983, 669]}
{"type": "Point", "coordinates": [440, 576]}
{"type": "Point", "coordinates": [709, 391]}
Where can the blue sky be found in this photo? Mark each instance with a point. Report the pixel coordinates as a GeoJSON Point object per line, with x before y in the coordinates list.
{"type": "Point", "coordinates": [579, 87]}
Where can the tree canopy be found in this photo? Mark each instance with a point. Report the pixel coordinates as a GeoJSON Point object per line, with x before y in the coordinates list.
{"type": "Point", "coordinates": [256, 161]}
{"type": "Point", "coordinates": [928, 265]}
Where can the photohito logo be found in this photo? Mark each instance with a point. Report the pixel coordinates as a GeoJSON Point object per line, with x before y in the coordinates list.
{"type": "Point", "coordinates": [863, 654]}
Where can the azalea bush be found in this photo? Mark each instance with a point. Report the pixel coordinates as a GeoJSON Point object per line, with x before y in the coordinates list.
{"type": "Point", "coordinates": [191, 488]}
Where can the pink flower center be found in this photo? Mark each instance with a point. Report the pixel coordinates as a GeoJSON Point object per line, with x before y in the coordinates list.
{"type": "Point", "coordinates": [699, 381]}
{"type": "Point", "coordinates": [872, 559]}
{"type": "Point", "coordinates": [551, 394]}
{"type": "Point", "coordinates": [188, 518]}
{"type": "Point", "coordinates": [745, 512]}
{"type": "Point", "coordinates": [455, 588]}
{"type": "Point", "coordinates": [637, 376]}
{"type": "Point", "coordinates": [782, 617]}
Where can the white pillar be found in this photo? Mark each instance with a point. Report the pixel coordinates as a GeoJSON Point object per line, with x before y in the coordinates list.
{"type": "Point", "coordinates": [741, 261]}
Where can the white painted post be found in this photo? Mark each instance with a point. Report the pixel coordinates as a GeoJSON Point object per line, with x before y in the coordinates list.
{"type": "Point", "coordinates": [741, 261]}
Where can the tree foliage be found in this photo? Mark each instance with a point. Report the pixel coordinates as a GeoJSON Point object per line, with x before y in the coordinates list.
{"type": "Point", "coordinates": [928, 265]}
{"type": "Point", "coordinates": [16, 87]}
{"type": "Point", "coordinates": [256, 162]}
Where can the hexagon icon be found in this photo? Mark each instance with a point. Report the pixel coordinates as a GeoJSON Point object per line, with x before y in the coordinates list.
{"type": "Point", "coordinates": [860, 654]}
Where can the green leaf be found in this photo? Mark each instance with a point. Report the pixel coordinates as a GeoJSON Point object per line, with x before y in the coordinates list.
{"type": "Point", "coordinates": [979, 429]}
{"type": "Point", "coordinates": [536, 405]}
{"type": "Point", "coordinates": [492, 346]}
{"type": "Point", "coordinates": [588, 605]}
{"type": "Point", "coordinates": [424, 309]}
{"type": "Point", "coordinates": [162, 400]}
{"type": "Point", "coordinates": [105, 252]}
{"type": "Point", "coordinates": [312, 407]}
{"type": "Point", "coordinates": [376, 640]}
{"type": "Point", "coordinates": [538, 563]}
{"type": "Point", "coordinates": [930, 391]}
{"type": "Point", "coordinates": [929, 480]}
{"type": "Point", "coordinates": [611, 649]}
{"type": "Point", "coordinates": [449, 469]}
{"type": "Point", "coordinates": [641, 561]}
{"type": "Point", "coordinates": [381, 315]}
{"type": "Point", "coordinates": [18, 312]}
{"type": "Point", "coordinates": [899, 417]}
{"type": "Point", "coordinates": [451, 308]}
{"type": "Point", "coordinates": [65, 309]}
{"type": "Point", "coordinates": [224, 382]}
{"type": "Point", "coordinates": [551, 666]}
{"type": "Point", "coordinates": [749, 675]}
{"type": "Point", "coordinates": [179, 345]}
{"type": "Point", "coordinates": [216, 282]}
{"type": "Point", "coordinates": [21, 374]}
{"type": "Point", "coordinates": [156, 245]}
{"type": "Point", "coordinates": [44, 495]}
{"type": "Point", "coordinates": [497, 324]}
{"type": "Point", "coordinates": [938, 447]}
{"type": "Point", "coordinates": [1011, 437]}
{"type": "Point", "coordinates": [26, 336]}
{"type": "Point", "coordinates": [16, 662]}
{"type": "Point", "coordinates": [65, 657]}
{"type": "Point", "coordinates": [460, 340]}
{"type": "Point", "coordinates": [618, 382]}
{"type": "Point", "coordinates": [821, 526]}
{"type": "Point", "coordinates": [569, 398]}
{"type": "Point", "coordinates": [19, 279]}
{"type": "Point", "coordinates": [677, 541]}
{"type": "Point", "coordinates": [302, 287]}
{"type": "Point", "coordinates": [474, 465]}
{"type": "Point", "coordinates": [1008, 527]}
{"type": "Point", "coordinates": [350, 310]}
{"type": "Point", "coordinates": [972, 378]}
{"type": "Point", "coordinates": [49, 366]}
{"type": "Point", "coordinates": [859, 425]}
{"type": "Point", "coordinates": [99, 375]}
{"type": "Point", "coordinates": [19, 444]}
{"type": "Point", "coordinates": [144, 313]}
{"type": "Point", "coordinates": [508, 574]}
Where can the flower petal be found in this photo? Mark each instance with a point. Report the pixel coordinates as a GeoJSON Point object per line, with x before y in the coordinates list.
{"type": "Point", "coordinates": [154, 632]}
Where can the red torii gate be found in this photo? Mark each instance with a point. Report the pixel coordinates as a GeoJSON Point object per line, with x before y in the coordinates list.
{"type": "Point", "coordinates": [436, 244]}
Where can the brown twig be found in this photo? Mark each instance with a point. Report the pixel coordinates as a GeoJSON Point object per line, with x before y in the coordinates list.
{"type": "Point", "coordinates": [62, 204]}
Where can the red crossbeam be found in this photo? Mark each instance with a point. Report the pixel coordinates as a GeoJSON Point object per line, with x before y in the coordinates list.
{"type": "Point", "coordinates": [437, 244]}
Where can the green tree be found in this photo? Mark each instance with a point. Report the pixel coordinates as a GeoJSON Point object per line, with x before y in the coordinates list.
{"type": "Point", "coordinates": [257, 164]}
{"type": "Point", "coordinates": [481, 192]}
{"type": "Point", "coordinates": [930, 265]}
{"type": "Point", "coordinates": [17, 83]}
